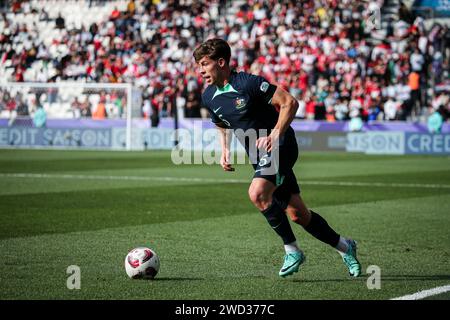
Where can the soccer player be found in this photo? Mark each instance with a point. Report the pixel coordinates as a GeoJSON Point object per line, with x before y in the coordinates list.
{"type": "Point", "coordinates": [249, 102]}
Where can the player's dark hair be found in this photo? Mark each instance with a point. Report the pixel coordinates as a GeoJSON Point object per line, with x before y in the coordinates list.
{"type": "Point", "coordinates": [214, 49]}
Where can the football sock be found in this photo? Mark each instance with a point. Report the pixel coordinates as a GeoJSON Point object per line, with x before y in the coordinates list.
{"type": "Point", "coordinates": [342, 246]}
{"type": "Point", "coordinates": [291, 247]}
{"type": "Point", "coordinates": [279, 222]}
{"type": "Point", "coordinates": [320, 229]}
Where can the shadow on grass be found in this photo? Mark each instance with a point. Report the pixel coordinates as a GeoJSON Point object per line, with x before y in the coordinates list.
{"type": "Point", "coordinates": [398, 277]}
{"type": "Point", "coordinates": [328, 280]}
{"type": "Point", "coordinates": [171, 279]}
{"type": "Point", "coordinates": [412, 277]}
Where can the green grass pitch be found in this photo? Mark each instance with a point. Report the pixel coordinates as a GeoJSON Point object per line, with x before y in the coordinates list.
{"type": "Point", "coordinates": [89, 208]}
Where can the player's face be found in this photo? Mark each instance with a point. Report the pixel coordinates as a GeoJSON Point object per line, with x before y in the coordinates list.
{"type": "Point", "coordinates": [209, 70]}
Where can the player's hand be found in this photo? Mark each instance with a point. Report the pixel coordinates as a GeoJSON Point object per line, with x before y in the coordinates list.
{"type": "Point", "coordinates": [225, 161]}
{"type": "Point", "coordinates": [263, 143]}
{"type": "Point", "coordinates": [268, 143]}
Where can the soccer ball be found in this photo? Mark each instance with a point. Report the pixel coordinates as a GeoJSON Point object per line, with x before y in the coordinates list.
{"type": "Point", "coordinates": [142, 263]}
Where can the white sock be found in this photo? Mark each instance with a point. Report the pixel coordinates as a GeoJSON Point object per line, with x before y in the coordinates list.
{"type": "Point", "coordinates": [291, 247]}
{"type": "Point", "coordinates": [342, 246]}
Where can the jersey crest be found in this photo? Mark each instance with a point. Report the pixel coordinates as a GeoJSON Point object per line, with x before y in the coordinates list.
{"type": "Point", "coordinates": [240, 103]}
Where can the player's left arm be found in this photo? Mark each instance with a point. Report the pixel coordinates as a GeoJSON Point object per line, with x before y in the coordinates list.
{"type": "Point", "coordinates": [288, 105]}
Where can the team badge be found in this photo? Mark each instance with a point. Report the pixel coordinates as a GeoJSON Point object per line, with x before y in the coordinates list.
{"type": "Point", "coordinates": [240, 103]}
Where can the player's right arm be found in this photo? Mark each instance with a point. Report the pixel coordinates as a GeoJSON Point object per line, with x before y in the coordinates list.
{"type": "Point", "coordinates": [225, 138]}
{"type": "Point", "coordinates": [225, 141]}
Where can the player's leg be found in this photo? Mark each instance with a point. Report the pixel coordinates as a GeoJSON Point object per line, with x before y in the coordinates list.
{"type": "Point", "coordinates": [318, 227]}
{"type": "Point", "coordinates": [260, 193]}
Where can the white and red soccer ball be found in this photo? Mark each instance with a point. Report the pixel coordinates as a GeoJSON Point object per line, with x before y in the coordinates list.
{"type": "Point", "coordinates": [142, 263]}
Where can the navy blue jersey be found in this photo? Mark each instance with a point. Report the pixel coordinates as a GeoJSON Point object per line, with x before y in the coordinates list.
{"type": "Point", "coordinates": [244, 103]}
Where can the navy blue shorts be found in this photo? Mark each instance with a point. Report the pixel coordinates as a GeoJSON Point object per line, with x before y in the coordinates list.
{"type": "Point", "coordinates": [280, 172]}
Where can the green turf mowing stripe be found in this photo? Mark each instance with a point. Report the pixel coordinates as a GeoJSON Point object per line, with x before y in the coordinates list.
{"type": "Point", "coordinates": [436, 178]}
{"type": "Point", "coordinates": [238, 254]}
{"type": "Point", "coordinates": [229, 180]}
{"type": "Point", "coordinates": [96, 209]}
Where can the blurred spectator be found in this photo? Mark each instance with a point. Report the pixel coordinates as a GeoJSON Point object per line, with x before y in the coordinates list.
{"type": "Point", "coordinates": [131, 7]}
{"type": "Point", "coordinates": [391, 108]}
{"type": "Point", "coordinates": [76, 107]}
{"type": "Point", "coordinates": [154, 116]}
{"type": "Point", "coordinates": [204, 113]}
{"type": "Point", "coordinates": [404, 13]}
{"type": "Point", "coordinates": [16, 6]}
{"type": "Point", "coordinates": [21, 106]}
{"type": "Point", "coordinates": [356, 124]}
{"type": "Point", "coordinates": [85, 110]}
{"type": "Point", "coordinates": [404, 96]}
{"type": "Point", "coordinates": [416, 97]}
{"type": "Point", "coordinates": [341, 110]}
{"type": "Point", "coordinates": [192, 106]}
{"type": "Point", "coordinates": [60, 22]}
{"type": "Point", "coordinates": [180, 102]}
{"type": "Point", "coordinates": [436, 120]}
{"type": "Point", "coordinates": [100, 110]}
{"type": "Point", "coordinates": [39, 117]}
{"type": "Point", "coordinates": [417, 61]}
{"type": "Point", "coordinates": [321, 51]}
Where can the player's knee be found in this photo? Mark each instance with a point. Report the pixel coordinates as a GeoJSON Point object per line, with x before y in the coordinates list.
{"type": "Point", "coordinates": [259, 198]}
{"type": "Point", "coordinates": [294, 215]}
{"type": "Point", "coordinates": [299, 217]}
{"type": "Point", "coordinates": [256, 196]}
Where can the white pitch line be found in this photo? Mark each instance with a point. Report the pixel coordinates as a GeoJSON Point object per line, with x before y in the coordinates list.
{"type": "Point", "coordinates": [376, 184]}
{"type": "Point", "coordinates": [425, 293]}
{"type": "Point", "coordinates": [208, 180]}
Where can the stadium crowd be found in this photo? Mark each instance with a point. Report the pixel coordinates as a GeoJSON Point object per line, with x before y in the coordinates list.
{"type": "Point", "coordinates": [325, 52]}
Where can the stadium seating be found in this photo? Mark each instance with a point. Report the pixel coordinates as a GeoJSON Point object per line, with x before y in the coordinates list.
{"type": "Point", "coordinates": [316, 49]}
